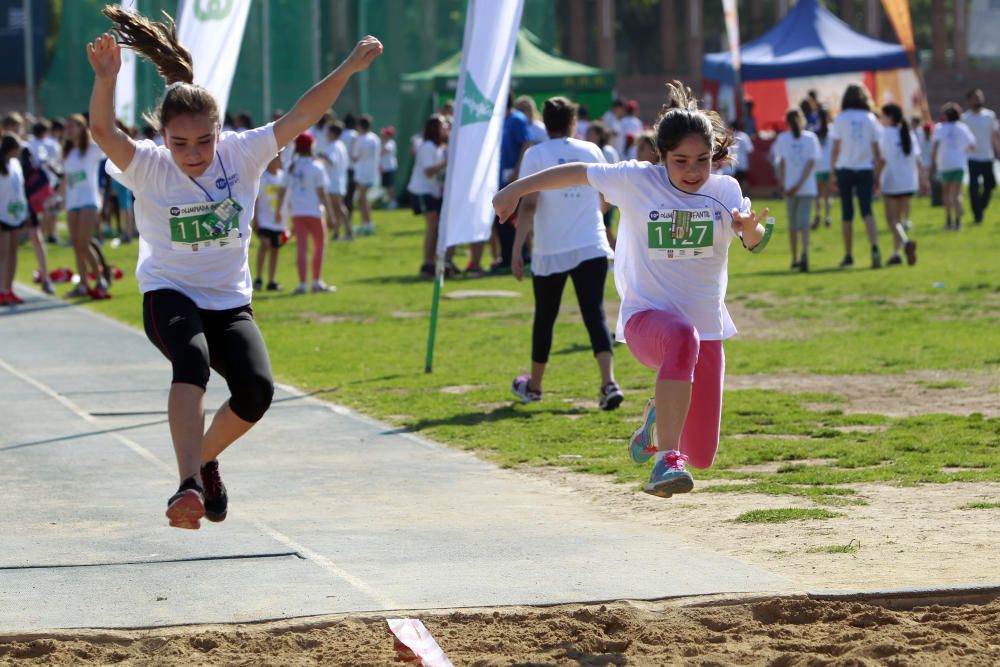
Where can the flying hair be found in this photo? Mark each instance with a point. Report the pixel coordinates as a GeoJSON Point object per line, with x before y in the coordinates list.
{"type": "Point", "coordinates": [157, 42]}
{"type": "Point", "coordinates": [682, 116]}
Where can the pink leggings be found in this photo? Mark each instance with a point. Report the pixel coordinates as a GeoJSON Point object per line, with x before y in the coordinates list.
{"type": "Point", "coordinates": [668, 343]}
{"type": "Point", "coordinates": [304, 227]}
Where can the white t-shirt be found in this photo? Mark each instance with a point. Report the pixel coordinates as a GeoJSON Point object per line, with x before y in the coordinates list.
{"type": "Point", "coordinates": [215, 277]}
{"type": "Point", "coordinates": [695, 286]}
{"type": "Point", "coordinates": [537, 132]}
{"type": "Point", "coordinates": [631, 125]}
{"type": "Point", "coordinates": [365, 158]}
{"type": "Point", "coordinates": [388, 160]}
{"type": "Point", "coordinates": [826, 153]}
{"type": "Point", "coordinates": [900, 175]}
{"type": "Point", "coordinates": [581, 129]}
{"type": "Point", "coordinates": [954, 140]}
{"type": "Point", "coordinates": [305, 177]}
{"type": "Point", "coordinates": [614, 127]}
{"type": "Point", "coordinates": [428, 155]}
{"type": "Point", "coordinates": [610, 154]}
{"type": "Point", "coordinates": [336, 169]}
{"type": "Point", "coordinates": [569, 227]}
{"type": "Point", "coordinates": [796, 153]}
{"type": "Point", "coordinates": [983, 124]}
{"type": "Point", "coordinates": [13, 203]}
{"type": "Point", "coordinates": [81, 177]}
{"type": "Point", "coordinates": [267, 200]}
{"type": "Point", "coordinates": [348, 136]}
{"type": "Point", "coordinates": [744, 146]}
{"type": "Point", "coordinates": [857, 130]}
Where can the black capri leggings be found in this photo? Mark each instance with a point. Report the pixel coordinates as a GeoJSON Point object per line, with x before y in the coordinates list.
{"type": "Point", "coordinates": [850, 181]}
{"type": "Point", "coordinates": [588, 281]}
{"type": "Point", "coordinates": [228, 341]}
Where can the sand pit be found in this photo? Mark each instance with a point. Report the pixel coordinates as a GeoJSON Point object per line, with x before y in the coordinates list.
{"type": "Point", "coordinates": [771, 632]}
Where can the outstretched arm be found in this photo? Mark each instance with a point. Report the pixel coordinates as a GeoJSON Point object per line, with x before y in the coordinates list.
{"type": "Point", "coordinates": [321, 97]}
{"type": "Point", "coordinates": [105, 57]}
{"type": "Point", "coordinates": [553, 178]}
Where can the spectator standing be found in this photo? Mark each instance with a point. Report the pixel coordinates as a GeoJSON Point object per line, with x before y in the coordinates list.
{"type": "Point", "coordinates": [951, 146]}
{"type": "Point", "coordinates": [982, 122]}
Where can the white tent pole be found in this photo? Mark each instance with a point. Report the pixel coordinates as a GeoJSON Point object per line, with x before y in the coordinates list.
{"type": "Point", "coordinates": [29, 58]}
{"type": "Point", "coordinates": [265, 19]}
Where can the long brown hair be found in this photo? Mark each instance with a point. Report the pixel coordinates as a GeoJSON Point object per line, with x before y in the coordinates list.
{"type": "Point", "coordinates": [856, 97]}
{"type": "Point", "coordinates": [84, 139]}
{"type": "Point", "coordinates": [682, 117]}
{"type": "Point", "coordinates": [157, 42]}
{"type": "Point", "coordinates": [795, 120]}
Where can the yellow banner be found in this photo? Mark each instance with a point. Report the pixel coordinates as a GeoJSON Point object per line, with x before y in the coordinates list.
{"type": "Point", "coordinates": [899, 15]}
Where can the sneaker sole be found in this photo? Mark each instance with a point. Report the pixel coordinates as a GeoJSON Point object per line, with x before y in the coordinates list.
{"type": "Point", "coordinates": [669, 487]}
{"type": "Point", "coordinates": [612, 401]}
{"type": "Point", "coordinates": [187, 511]}
{"type": "Point", "coordinates": [642, 439]}
{"type": "Point", "coordinates": [911, 253]}
{"type": "Point", "coordinates": [216, 518]}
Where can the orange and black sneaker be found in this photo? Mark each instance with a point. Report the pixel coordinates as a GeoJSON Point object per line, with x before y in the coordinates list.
{"type": "Point", "coordinates": [186, 507]}
{"type": "Point", "coordinates": [216, 500]}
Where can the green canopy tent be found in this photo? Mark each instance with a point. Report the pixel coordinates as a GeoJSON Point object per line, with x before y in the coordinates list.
{"type": "Point", "coordinates": [535, 72]}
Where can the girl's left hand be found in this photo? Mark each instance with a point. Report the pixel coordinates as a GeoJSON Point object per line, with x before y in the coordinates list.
{"type": "Point", "coordinates": [105, 56]}
{"type": "Point", "coordinates": [745, 222]}
{"type": "Point", "coordinates": [364, 54]}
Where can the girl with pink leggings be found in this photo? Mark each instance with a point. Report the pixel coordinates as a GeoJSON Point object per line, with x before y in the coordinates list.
{"type": "Point", "coordinates": [307, 185]}
{"type": "Point", "coordinates": [677, 223]}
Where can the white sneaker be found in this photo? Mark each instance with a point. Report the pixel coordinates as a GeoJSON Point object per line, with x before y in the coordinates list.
{"type": "Point", "coordinates": [320, 286]}
{"type": "Point", "coordinates": [301, 289]}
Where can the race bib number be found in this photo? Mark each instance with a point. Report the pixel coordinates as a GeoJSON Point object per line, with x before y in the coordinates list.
{"type": "Point", "coordinates": [683, 234]}
{"type": "Point", "coordinates": [195, 227]}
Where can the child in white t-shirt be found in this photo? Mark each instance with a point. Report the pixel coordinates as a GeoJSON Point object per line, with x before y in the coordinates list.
{"type": "Point", "coordinates": [337, 161]}
{"type": "Point", "coordinates": [83, 199]}
{"type": "Point", "coordinates": [13, 213]}
{"type": "Point", "coordinates": [194, 198]}
{"type": "Point", "coordinates": [268, 224]}
{"type": "Point", "coordinates": [677, 221]}
{"type": "Point", "coordinates": [951, 146]}
{"type": "Point", "coordinates": [306, 191]}
{"type": "Point", "coordinates": [797, 151]}
{"type": "Point", "coordinates": [900, 175]}
{"type": "Point", "coordinates": [365, 155]}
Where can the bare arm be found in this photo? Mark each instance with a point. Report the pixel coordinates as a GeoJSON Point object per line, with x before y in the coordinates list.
{"type": "Point", "coordinates": [553, 178]}
{"type": "Point", "coordinates": [834, 153]}
{"type": "Point", "coordinates": [105, 58]}
{"type": "Point", "coordinates": [311, 106]}
{"type": "Point", "coordinates": [525, 224]}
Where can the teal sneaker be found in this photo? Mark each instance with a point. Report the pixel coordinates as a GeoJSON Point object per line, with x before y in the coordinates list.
{"type": "Point", "coordinates": [642, 444]}
{"type": "Point", "coordinates": [669, 476]}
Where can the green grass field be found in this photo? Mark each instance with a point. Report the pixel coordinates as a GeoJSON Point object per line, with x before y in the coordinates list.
{"type": "Point", "coordinates": [364, 347]}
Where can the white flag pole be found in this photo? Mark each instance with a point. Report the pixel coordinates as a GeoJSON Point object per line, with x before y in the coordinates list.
{"type": "Point", "coordinates": [473, 173]}
{"type": "Point", "coordinates": [125, 83]}
{"type": "Point", "coordinates": [213, 33]}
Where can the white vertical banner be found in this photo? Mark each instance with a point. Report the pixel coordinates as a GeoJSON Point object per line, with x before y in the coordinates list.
{"type": "Point", "coordinates": [473, 174]}
{"type": "Point", "coordinates": [212, 30]}
{"type": "Point", "coordinates": [125, 83]}
{"type": "Point", "coordinates": [730, 11]}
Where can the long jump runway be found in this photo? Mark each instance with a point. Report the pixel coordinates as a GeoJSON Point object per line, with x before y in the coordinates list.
{"type": "Point", "coordinates": [330, 512]}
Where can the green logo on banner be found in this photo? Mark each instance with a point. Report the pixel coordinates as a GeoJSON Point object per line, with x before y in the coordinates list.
{"type": "Point", "coordinates": [212, 10]}
{"type": "Point", "coordinates": [476, 107]}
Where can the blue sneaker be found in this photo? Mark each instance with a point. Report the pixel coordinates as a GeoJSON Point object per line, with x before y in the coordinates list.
{"type": "Point", "coordinates": [669, 476]}
{"type": "Point", "coordinates": [642, 444]}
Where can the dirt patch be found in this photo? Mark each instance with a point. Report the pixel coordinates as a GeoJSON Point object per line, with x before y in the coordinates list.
{"type": "Point", "coordinates": [461, 388]}
{"type": "Point", "coordinates": [772, 467]}
{"type": "Point", "coordinates": [324, 318]}
{"type": "Point", "coordinates": [910, 536]}
{"type": "Point", "coordinates": [409, 314]}
{"type": "Point", "coordinates": [796, 631]}
{"type": "Point", "coordinates": [903, 395]}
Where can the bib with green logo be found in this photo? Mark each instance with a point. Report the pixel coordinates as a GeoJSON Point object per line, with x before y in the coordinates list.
{"type": "Point", "coordinates": [194, 227]}
{"type": "Point", "coordinates": [17, 208]}
{"type": "Point", "coordinates": [74, 177]}
{"type": "Point", "coordinates": [684, 234]}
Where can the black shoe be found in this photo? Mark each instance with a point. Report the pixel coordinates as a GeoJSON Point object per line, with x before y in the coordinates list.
{"type": "Point", "coordinates": [794, 266]}
{"type": "Point", "coordinates": [911, 252]}
{"type": "Point", "coordinates": [216, 500]}
{"type": "Point", "coordinates": [273, 287]}
{"type": "Point", "coordinates": [876, 259]}
{"type": "Point", "coordinates": [610, 396]}
{"type": "Point", "coordinates": [895, 260]}
{"type": "Point", "coordinates": [186, 507]}
{"type": "Point", "coordinates": [257, 284]}
{"type": "Point", "coordinates": [803, 264]}
{"type": "Point", "coordinates": [846, 262]}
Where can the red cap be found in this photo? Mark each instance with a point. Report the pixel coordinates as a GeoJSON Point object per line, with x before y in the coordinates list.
{"type": "Point", "coordinates": [304, 142]}
{"type": "Point", "coordinates": [631, 105]}
{"type": "Point", "coordinates": [388, 131]}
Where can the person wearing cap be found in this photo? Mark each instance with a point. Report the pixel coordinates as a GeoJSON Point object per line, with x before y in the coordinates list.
{"type": "Point", "coordinates": [306, 191]}
{"type": "Point", "coordinates": [631, 125]}
{"type": "Point", "coordinates": [388, 163]}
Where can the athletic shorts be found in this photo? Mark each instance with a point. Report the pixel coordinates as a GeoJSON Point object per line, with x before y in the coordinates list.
{"type": "Point", "coordinates": [273, 235]}
{"type": "Point", "coordinates": [425, 204]}
{"type": "Point", "coordinates": [388, 179]}
{"type": "Point", "coordinates": [124, 195]}
{"type": "Point", "coordinates": [87, 207]}
{"type": "Point", "coordinates": [952, 176]}
{"type": "Point", "coordinates": [822, 176]}
{"type": "Point", "coordinates": [11, 227]}
{"type": "Point", "coordinates": [897, 195]}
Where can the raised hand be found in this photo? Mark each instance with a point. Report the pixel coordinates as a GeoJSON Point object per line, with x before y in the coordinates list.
{"type": "Point", "coordinates": [747, 222]}
{"type": "Point", "coordinates": [105, 56]}
{"type": "Point", "coordinates": [364, 54]}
